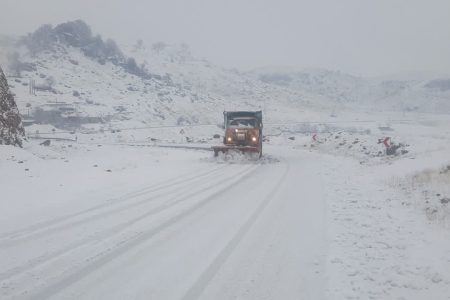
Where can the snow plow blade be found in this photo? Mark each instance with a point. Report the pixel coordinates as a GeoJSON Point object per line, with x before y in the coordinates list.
{"type": "Point", "coordinates": [243, 149]}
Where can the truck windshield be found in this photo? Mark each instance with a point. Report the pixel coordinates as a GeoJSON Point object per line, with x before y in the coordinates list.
{"type": "Point", "coordinates": [246, 123]}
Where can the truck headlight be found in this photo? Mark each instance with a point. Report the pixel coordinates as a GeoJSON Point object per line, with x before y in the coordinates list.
{"type": "Point", "coordinates": [229, 139]}
{"type": "Point", "coordinates": [254, 138]}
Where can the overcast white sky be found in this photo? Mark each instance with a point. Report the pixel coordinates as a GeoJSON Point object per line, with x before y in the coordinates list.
{"type": "Point", "coordinates": [363, 37]}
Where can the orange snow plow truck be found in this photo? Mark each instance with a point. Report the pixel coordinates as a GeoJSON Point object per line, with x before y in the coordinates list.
{"type": "Point", "coordinates": [243, 132]}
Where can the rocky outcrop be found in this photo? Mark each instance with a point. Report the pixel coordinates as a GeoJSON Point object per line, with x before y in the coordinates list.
{"type": "Point", "coordinates": [11, 128]}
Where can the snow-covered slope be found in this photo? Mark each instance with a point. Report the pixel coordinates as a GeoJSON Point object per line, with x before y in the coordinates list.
{"type": "Point", "coordinates": [399, 93]}
{"type": "Point", "coordinates": [176, 88]}
{"type": "Point", "coordinates": [66, 76]}
{"type": "Point", "coordinates": [73, 87]}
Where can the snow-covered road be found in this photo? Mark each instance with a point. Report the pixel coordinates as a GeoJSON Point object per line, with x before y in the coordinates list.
{"type": "Point", "coordinates": [123, 222]}
{"type": "Point", "coordinates": [247, 230]}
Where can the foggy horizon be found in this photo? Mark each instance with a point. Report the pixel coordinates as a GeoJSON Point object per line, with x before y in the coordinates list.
{"type": "Point", "coordinates": [360, 38]}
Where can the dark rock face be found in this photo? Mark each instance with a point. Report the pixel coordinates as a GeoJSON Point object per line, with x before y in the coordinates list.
{"type": "Point", "coordinates": [11, 128]}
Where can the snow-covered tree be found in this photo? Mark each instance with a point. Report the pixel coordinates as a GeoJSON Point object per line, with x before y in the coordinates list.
{"type": "Point", "coordinates": [42, 39]}
{"type": "Point", "coordinates": [76, 33]}
{"type": "Point", "coordinates": [11, 128]}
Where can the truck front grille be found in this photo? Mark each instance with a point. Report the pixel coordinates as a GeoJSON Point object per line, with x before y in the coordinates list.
{"type": "Point", "coordinates": [240, 136]}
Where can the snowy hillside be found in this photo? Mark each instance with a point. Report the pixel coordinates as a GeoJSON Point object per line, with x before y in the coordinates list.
{"type": "Point", "coordinates": [66, 78]}
{"type": "Point", "coordinates": [237, 88]}
{"type": "Point", "coordinates": [83, 80]}
{"type": "Point", "coordinates": [72, 82]}
{"type": "Point", "coordinates": [67, 85]}
{"type": "Point", "coordinates": [404, 93]}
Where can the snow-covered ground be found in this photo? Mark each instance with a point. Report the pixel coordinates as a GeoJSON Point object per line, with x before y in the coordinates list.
{"type": "Point", "coordinates": [117, 216]}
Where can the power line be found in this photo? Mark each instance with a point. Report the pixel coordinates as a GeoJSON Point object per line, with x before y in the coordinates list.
{"type": "Point", "coordinates": [209, 125]}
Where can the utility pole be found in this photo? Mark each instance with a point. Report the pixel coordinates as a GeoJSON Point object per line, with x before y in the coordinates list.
{"type": "Point", "coordinates": [32, 89]}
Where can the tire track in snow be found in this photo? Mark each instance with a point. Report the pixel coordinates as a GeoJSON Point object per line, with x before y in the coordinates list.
{"type": "Point", "coordinates": [60, 223]}
{"type": "Point", "coordinates": [202, 282]}
{"type": "Point", "coordinates": [99, 259]}
{"type": "Point", "coordinates": [115, 230]}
